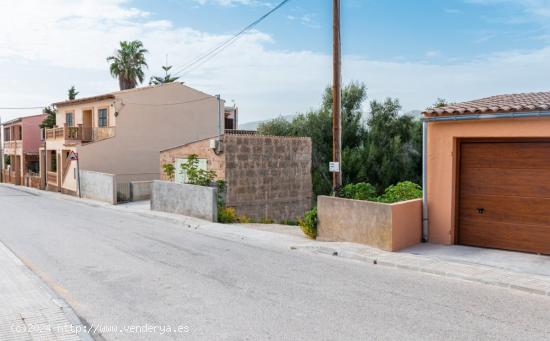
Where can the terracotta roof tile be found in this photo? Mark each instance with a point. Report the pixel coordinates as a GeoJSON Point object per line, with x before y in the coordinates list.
{"type": "Point", "coordinates": [534, 101]}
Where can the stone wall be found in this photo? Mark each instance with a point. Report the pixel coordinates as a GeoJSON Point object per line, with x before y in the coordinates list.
{"type": "Point", "coordinates": [268, 177]}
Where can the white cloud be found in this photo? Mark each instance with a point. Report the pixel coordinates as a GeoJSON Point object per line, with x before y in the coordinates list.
{"type": "Point", "coordinates": [433, 54]}
{"type": "Point", "coordinates": [54, 46]}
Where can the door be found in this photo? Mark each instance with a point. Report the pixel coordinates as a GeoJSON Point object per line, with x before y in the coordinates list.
{"type": "Point", "coordinates": [87, 124]}
{"type": "Point", "coordinates": [505, 195]}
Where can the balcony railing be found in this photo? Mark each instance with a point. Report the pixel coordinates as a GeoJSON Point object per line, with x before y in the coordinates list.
{"type": "Point", "coordinates": [80, 133]}
{"type": "Point", "coordinates": [12, 146]}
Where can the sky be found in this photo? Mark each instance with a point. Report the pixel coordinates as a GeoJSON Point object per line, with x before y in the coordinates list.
{"type": "Point", "coordinates": [416, 51]}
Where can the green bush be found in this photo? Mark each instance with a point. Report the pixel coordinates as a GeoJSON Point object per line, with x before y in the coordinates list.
{"type": "Point", "coordinates": [195, 175]}
{"type": "Point", "coordinates": [308, 223]}
{"type": "Point", "coordinates": [227, 215]}
{"type": "Point", "coordinates": [169, 171]}
{"type": "Point", "coordinates": [358, 191]}
{"type": "Point", "coordinates": [402, 191]}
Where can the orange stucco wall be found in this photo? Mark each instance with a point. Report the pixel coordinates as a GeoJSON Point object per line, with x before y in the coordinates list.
{"type": "Point", "coordinates": [442, 163]}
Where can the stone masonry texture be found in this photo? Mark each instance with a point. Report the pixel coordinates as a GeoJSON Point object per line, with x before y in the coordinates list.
{"type": "Point", "coordinates": [267, 177]}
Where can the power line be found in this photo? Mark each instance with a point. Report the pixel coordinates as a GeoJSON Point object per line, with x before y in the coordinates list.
{"type": "Point", "coordinates": [213, 52]}
{"type": "Point", "coordinates": [22, 108]}
{"type": "Point", "coordinates": [175, 103]}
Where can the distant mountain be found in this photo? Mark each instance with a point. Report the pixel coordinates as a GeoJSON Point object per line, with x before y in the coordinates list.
{"type": "Point", "coordinates": [254, 124]}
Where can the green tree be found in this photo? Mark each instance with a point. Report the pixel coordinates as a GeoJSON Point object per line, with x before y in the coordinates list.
{"type": "Point", "coordinates": [168, 78]}
{"type": "Point", "coordinates": [383, 150]}
{"type": "Point", "coordinates": [317, 124]}
{"type": "Point", "coordinates": [128, 63]}
{"type": "Point", "coordinates": [72, 93]}
{"type": "Point", "coordinates": [49, 121]}
{"type": "Point", "coordinates": [393, 147]}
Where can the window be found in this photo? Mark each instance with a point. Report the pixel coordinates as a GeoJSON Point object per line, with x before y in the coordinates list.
{"type": "Point", "coordinates": [102, 118]}
{"type": "Point", "coordinates": [69, 119]}
{"type": "Point", "coordinates": [181, 176]}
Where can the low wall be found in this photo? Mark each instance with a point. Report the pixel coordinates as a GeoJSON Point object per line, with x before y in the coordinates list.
{"type": "Point", "coordinates": [389, 227]}
{"type": "Point", "coordinates": [33, 181]}
{"type": "Point", "coordinates": [98, 186]}
{"type": "Point", "coordinates": [190, 200]}
{"type": "Point", "coordinates": [140, 190]}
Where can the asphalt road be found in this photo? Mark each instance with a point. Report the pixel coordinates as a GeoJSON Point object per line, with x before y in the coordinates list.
{"type": "Point", "coordinates": [119, 269]}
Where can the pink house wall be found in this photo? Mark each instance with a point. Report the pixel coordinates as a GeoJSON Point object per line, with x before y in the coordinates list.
{"type": "Point", "coordinates": [31, 133]}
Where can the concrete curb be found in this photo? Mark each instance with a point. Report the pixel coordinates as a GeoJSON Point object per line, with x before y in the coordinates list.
{"type": "Point", "coordinates": [525, 282]}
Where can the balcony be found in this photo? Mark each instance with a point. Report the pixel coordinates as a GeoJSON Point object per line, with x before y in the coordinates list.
{"type": "Point", "coordinates": [13, 147]}
{"type": "Point", "coordinates": [79, 134]}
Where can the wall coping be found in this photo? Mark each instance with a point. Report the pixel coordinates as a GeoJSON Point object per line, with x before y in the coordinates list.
{"type": "Point", "coordinates": [373, 202]}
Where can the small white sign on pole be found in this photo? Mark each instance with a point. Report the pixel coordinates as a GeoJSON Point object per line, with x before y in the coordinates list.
{"type": "Point", "coordinates": [334, 167]}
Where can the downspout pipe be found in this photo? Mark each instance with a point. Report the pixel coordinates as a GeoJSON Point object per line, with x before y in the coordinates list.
{"type": "Point", "coordinates": [469, 117]}
{"type": "Point", "coordinates": [425, 227]}
{"type": "Point", "coordinates": [219, 116]}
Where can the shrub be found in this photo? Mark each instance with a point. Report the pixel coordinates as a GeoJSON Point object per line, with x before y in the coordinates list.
{"type": "Point", "coordinates": [195, 175]}
{"type": "Point", "coordinates": [266, 221]}
{"type": "Point", "coordinates": [402, 191]}
{"type": "Point", "coordinates": [243, 219]}
{"type": "Point", "coordinates": [358, 191]}
{"type": "Point", "coordinates": [169, 171]}
{"type": "Point", "coordinates": [308, 223]}
{"type": "Point", "coordinates": [227, 215]}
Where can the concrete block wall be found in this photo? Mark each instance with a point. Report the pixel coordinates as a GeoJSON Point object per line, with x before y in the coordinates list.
{"type": "Point", "coordinates": [268, 177]}
{"type": "Point", "coordinates": [140, 190]}
{"type": "Point", "coordinates": [98, 186]}
{"type": "Point", "coordinates": [189, 200]}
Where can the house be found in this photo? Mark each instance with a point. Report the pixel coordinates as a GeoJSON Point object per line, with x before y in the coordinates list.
{"type": "Point", "coordinates": [488, 173]}
{"type": "Point", "coordinates": [21, 144]}
{"type": "Point", "coordinates": [268, 178]}
{"type": "Point", "coordinates": [117, 136]}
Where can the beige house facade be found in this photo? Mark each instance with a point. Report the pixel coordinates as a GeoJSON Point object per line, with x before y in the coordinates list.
{"type": "Point", "coordinates": [121, 133]}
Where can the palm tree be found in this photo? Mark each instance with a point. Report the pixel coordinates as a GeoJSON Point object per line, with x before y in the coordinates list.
{"type": "Point", "coordinates": [127, 65]}
{"type": "Point", "coordinates": [156, 80]}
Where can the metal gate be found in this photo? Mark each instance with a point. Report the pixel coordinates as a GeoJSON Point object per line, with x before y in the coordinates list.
{"type": "Point", "coordinates": [122, 192]}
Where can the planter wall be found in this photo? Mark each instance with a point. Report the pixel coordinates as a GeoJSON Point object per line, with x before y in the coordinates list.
{"type": "Point", "coordinates": [389, 227]}
{"type": "Point", "coordinates": [190, 200]}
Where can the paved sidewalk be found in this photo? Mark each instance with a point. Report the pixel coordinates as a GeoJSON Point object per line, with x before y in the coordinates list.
{"type": "Point", "coordinates": [428, 263]}
{"type": "Point", "coordinates": [29, 310]}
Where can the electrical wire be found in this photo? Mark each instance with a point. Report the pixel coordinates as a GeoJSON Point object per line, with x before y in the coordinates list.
{"type": "Point", "coordinates": [213, 52]}
{"type": "Point", "coordinates": [175, 103]}
{"type": "Point", "coordinates": [22, 108]}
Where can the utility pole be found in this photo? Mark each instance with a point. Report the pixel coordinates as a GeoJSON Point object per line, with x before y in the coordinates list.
{"type": "Point", "coordinates": [336, 167]}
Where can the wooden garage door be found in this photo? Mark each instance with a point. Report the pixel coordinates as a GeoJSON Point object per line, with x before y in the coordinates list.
{"type": "Point", "coordinates": [505, 195]}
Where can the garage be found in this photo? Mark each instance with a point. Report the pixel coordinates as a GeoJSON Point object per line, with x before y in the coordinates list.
{"type": "Point", "coordinates": [487, 173]}
{"type": "Point", "coordinates": [504, 198]}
